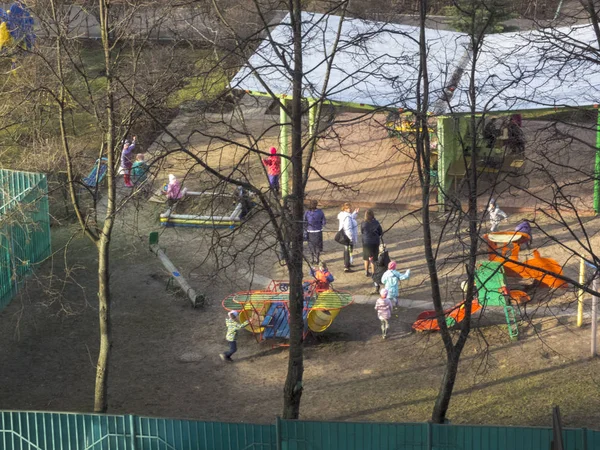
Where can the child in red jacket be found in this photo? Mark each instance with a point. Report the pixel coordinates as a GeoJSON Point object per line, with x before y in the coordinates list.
{"type": "Point", "coordinates": [273, 165]}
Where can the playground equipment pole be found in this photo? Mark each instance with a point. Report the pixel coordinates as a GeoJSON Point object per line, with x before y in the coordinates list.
{"type": "Point", "coordinates": [597, 165]}
{"type": "Point", "coordinates": [174, 273]}
{"type": "Point", "coordinates": [595, 285]}
{"type": "Point", "coordinates": [580, 293]}
{"type": "Point", "coordinates": [283, 147]}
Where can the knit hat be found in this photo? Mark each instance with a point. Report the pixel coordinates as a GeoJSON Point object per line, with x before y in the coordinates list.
{"type": "Point", "coordinates": [392, 265]}
{"type": "Point", "coordinates": [172, 178]}
{"type": "Point", "coordinates": [383, 293]}
{"type": "Point", "coordinates": [273, 150]}
{"type": "Point", "coordinates": [233, 314]}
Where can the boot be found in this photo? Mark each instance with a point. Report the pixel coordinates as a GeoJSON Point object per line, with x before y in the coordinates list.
{"type": "Point", "coordinates": [127, 179]}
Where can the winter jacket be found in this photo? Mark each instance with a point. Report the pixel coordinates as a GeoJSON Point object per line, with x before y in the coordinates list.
{"type": "Point", "coordinates": [383, 306]}
{"type": "Point", "coordinates": [371, 232]}
{"type": "Point", "coordinates": [273, 164]}
{"type": "Point", "coordinates": [323, 277]}
{"type": "Point", "coordinates": [314, 220]}
{"type": "Point", "coordinates": [381, 266]}
{"type": "Point", "coordinates": [391, 279]}
{"type": "Point", "coordinates": [126, 156]}
{"type": "Point", "coordinates": [139, 171]}
{"type": "Point", "coordinates": [347, 221]}
{"type": "Point", "coordinates": [524, 227]}
{"type": "Point", "coordinates": [174, 191]}
{"type": "Point", "coordinates": [233, 326]}
{"type": "Point", "coordinates": [497, 215]}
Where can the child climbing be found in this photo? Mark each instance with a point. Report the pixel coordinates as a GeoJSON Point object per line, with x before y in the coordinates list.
{"type": "Point", "coordinates": [496, 215]}
{"type": "Point", "coordinates": [383, 306]}
{"type": "Point", "coordinates": [391, 280]}
{"type": "Point", "coordinates": [323, 277]}
{"type": "Point", "coordinates": [233, 326]}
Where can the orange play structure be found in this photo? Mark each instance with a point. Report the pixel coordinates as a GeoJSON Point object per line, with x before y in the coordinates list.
{"type": "Point", "coordinates": [508, 244]}
{"type": "Point", "coordinates": [426, 321]}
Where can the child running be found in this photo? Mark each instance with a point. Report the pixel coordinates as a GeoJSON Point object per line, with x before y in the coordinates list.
{"type": "Point", "coordinates": [391, 280]}
{"type": "Point", "coordinates": [384, 311]}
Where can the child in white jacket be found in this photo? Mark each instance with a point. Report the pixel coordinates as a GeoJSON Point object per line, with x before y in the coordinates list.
{"type": "Point", "coordinates": [384, 311]}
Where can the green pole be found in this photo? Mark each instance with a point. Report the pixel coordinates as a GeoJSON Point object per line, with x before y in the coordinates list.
{"type": "Point", "coordinates": [597, 166]}
{"type": "Point", "coordinates": [441, 165]}
{"type": "Point", "coordinates": [312, 115]}
{"type": "Point", "coordinates": [283, 148]}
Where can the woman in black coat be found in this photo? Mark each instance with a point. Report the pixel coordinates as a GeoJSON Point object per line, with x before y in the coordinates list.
{"type": "Point", "coordinates": [371, 233]}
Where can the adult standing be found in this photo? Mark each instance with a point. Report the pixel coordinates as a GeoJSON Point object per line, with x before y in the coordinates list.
{"type": "Point", "coordinates": [314, 222]}
{"type": "Point", "coordinates": [371, 233]}
{"type": "Point", "coordinates": [347, 222]}
{"type": "Point", "coordinates": [127, 160]}
{"type": "Point", "coordinates": [273, 165]}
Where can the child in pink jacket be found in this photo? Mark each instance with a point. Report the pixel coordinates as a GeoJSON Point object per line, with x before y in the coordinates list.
{"type": "Point", "coordinates": [384, 311]}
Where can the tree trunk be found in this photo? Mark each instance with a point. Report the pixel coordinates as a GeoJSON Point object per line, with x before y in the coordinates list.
{"type": "Point", "coordinates": [292, 391]}
{"type": "Point", "coordinates": [103, 245]}
{"type": "Point", "coordinates": [442, 402]}
{"type": "Point", "coordinates": [100, 392]}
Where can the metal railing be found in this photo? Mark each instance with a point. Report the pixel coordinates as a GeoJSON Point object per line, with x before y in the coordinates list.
{"type": "Point", "coordinates": [57, 431]}
{"type": "Point", "coordinates": [24, 228]}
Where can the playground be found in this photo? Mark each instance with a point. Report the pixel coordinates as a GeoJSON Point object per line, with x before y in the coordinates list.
{"type": "Point", "coordinates": [165, 354]}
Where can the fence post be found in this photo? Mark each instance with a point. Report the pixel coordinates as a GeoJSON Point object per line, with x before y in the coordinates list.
{"type": "Point", "coordinates": [429, 436]}
{"type": "Point", "coordinates": [133, 432]}
{"type": "Point", "coordinates": [278, 433]}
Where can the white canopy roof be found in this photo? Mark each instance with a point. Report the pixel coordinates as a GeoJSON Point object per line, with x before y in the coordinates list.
{"type": "Point", "coordinates": [534, 70]}
{"type": "Point", "coordinates": [378, 64]}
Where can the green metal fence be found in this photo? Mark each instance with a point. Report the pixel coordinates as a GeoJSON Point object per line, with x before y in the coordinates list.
{"type": "Point", "coordinates": [66, 431]}
{"type": "Point", "coordinates": [24, 228]}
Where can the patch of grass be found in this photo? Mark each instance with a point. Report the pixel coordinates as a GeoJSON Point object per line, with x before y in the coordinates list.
{"type": "Point", "coordinates": [207, 85]}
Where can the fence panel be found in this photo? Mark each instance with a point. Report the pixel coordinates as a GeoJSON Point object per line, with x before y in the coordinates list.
{"type": "Point", "coordinates": [352, 436]}
{"type": "Point", "coordinates": [172, 434]}
{"type": "Point", "coordinates": [60, 431]}
{"type": "Point", "coordinates": [24, 228]}
{"type": "Point", "coordinates": [503, 438]}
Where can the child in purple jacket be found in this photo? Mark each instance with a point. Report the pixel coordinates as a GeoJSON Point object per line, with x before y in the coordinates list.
{"type": "Point", "coordinates": [127, 160]}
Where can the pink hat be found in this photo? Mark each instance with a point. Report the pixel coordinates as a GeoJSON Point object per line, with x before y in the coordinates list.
{"type": "Point", "coordinates": [273, 150]}
{"type": "Point", "coordinates": [383, 293]}
{"type": "Point", "coordinates": [392, 265]}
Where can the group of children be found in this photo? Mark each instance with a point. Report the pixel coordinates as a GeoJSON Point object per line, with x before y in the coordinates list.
{"type": "Point", "coordinates": [135, 170]}
{"type": "Point", "coordinates": [384, 274]}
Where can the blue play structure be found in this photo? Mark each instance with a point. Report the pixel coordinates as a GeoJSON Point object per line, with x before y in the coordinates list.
{"type": "Point", "coordinates": [276, 323]}
{"type": "Point", "coordinates": [97, 174]}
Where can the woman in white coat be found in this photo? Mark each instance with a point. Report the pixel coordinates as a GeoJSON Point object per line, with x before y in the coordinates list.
{"type": "Point", "coordinates": [347, 222]}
